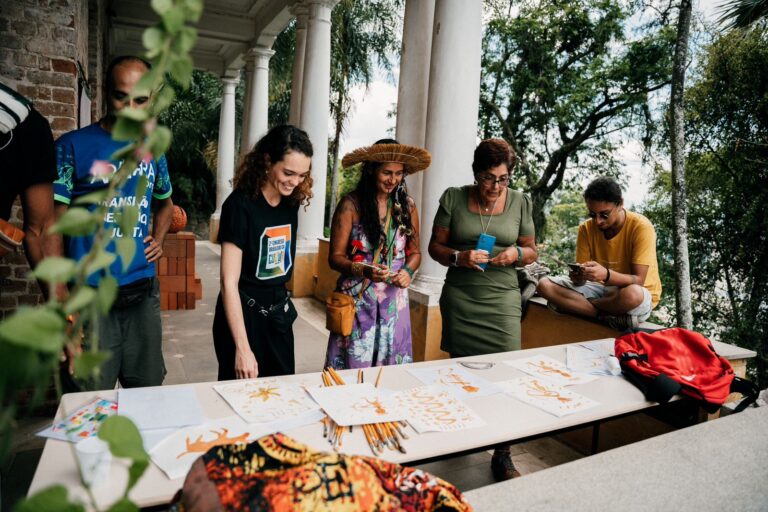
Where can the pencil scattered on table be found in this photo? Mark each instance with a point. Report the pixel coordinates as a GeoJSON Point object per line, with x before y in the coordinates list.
{"type": "Point", "coordinates": [378, 435]}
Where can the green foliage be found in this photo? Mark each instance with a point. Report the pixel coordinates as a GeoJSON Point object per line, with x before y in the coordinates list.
{"type": "Point", "coordinates": [562, 81]}
{"type": "Point", "coordinates": [743, 13]}
{"type": "Point", "coordinates": [563, 221]}
{"type": "Point", "coordinates": [51, 499]}
{"type": "Point", "coordinates": [726, 172]}
{"type": "Point", "coordinates": [193, 117]}
{"type": "Point", "coordinates": [39, 329]}
{"type": "Point", "coordinates": [125, 442]}
{"type": "Point", "coordinates": [32, 339]}
{"type": "Point", "coordinates": [363, 36]}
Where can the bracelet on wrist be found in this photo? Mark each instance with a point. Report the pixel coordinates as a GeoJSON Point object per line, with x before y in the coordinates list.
{"type": "Point", "coordinates": [607, 275]}
{"type": "Point", "coordinates": [357, 269]}
{"type": "Point", "coordinates": [409, 270]}
{"type": "Point", "coordinates": [519, 253]}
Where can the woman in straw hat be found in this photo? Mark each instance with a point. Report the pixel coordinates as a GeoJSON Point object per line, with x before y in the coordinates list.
{"type": "Point", "coordinates": [375, 246]}
{"type": "Point", "coordinates": [480, 301]}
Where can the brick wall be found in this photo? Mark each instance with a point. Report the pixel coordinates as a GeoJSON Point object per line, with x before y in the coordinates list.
{"type": "Point", "coordinates": [41, 42]}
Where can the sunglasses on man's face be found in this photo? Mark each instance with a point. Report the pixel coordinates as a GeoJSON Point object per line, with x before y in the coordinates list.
{"type": "Point", "coordinates": [603, 215]}
{"type": "Point", "coordinates": [124, 98]}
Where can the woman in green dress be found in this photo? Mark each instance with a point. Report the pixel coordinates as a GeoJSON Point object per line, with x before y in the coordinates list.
{"type": "Point", "coordinates": [480, 301]}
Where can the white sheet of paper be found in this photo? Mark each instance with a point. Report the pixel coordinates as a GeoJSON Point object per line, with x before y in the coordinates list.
{"type": "Point", "coordinates": [545, 367]}
{"type": "Point", "coordinates": [594, 357]}
{"type": "Point", "coordinates": [357, 404]}
{"type": "Point", "coordinates": [435, 409]}
{"type": "Point", "coordinates": [266, 399]}
{"type": "Point", "coordinates": [153, 437]}
{"type": "Point", "coordinates": [547, 396]}
{"type": "Point", "coordinates": [160, 407]}
{"type": "Point", "coordinates": [463, 383]}
{"type": "Point", "coordinates": [176, 453]}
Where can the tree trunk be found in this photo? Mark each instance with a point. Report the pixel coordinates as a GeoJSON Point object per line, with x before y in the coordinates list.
{"type": "Point", "coordinates": [679, 206]}
{"type": "Point", "coordinates": [340, 117]}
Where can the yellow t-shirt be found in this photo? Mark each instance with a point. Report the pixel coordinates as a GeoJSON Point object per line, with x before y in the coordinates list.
{"type": "Point", "coordinates": [635, 243]}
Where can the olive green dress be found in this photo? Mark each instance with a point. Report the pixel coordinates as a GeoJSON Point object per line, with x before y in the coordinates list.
{"type": "Point", "coordinates": [481, 310]}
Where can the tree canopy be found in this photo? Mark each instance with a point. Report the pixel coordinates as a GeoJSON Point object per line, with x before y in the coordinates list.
{"type": "Point", "coordinates": [560, 77]}
{"type": "Point", "coordinates": [727, 168]}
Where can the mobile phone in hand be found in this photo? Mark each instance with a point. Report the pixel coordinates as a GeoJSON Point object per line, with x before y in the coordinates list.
{"type": "Point", "coordinates": [575, 267]}
{"type": "Point", "coordinates": [485, 243]}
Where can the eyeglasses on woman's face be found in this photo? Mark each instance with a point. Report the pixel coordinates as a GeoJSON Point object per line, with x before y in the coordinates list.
{"type": "Point", "coordinates": [489, 180]}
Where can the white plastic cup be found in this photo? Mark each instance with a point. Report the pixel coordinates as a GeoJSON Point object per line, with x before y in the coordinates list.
{"type": "Point", "coordinates": [95, 460]}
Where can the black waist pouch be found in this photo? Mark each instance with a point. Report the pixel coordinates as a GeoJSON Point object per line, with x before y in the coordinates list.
{"type": "Point", "coordinates": [133, 293]}
{"type": "Point", "coordinates": [280, 314]}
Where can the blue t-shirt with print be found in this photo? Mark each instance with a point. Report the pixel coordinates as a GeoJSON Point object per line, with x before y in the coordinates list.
{"type": "Point", "coordinates": [76, 153]}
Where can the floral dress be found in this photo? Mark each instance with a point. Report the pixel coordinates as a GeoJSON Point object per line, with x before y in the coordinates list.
{"type": "Point", "coordinates": [381, 331]}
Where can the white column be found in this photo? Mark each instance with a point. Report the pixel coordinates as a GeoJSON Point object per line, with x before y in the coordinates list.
{"type": "Point", "coordinates": [454, 98]}
{"type": "Point", "coordinates": [315, 113]}
{"type": "Point", "coordinates": [301, 12]}
{"type": "Point", "coordinates": [413, 86]}
{"type": "Point", "coordinates": [225, 166]}
{"type": "Point", "coordinates": [255, 118]}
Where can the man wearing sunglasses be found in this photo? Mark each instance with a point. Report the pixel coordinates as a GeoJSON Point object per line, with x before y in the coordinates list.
{"type": "Point", "coordinates": [616, 275]}
{"type": "Point", "coordinates": [131, 331]}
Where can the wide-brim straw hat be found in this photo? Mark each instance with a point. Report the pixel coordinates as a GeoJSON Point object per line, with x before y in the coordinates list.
{"type": "Point", "coordinates": [414, 159]}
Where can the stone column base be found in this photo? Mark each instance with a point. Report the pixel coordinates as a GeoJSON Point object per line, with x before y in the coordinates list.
{"type": "Point", "coordinates": [304, 278]}
{"type": "Point", "coordinates": [213, 228]}
{"type": "Point", "coordinates": [426, 320]}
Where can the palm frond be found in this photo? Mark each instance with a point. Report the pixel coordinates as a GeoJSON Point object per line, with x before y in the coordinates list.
{"type": "Point", "coordinates": [742, 13]}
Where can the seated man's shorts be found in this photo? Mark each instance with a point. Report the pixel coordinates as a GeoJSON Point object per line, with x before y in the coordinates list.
{"type": "Point", "coordinates": [593, 290]}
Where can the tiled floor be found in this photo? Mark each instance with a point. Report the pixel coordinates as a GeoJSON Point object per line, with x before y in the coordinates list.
{"type": "Point", "coordinates": [189, 357]}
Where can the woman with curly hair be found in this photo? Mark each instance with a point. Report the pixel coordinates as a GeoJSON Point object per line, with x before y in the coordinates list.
{"type": "Point", "coordinates": [375, 246]}
{"type": "Point", "coordinates": [252, 329]}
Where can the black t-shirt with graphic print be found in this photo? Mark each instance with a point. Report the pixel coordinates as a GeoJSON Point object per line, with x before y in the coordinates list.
{"type": "Point", "coordinates": [266, 235]}
{"type": "Point", "coordinates": [26, 159]}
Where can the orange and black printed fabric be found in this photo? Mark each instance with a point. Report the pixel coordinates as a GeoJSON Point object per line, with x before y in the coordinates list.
{"type": "Point", "coordinates": [279, 474]}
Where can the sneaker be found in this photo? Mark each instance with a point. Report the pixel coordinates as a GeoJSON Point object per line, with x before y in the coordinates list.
{"type": "Point", "coordinates": [620, 322]}
{"type": "Point", "coordinates": [502, 466]}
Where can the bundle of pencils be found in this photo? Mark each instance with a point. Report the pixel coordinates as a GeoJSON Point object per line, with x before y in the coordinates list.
{"type": "Point", "coordinates": [379, 435]}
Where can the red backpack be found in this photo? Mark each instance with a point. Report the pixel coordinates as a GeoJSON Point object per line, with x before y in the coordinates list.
{"type": "Point", "coordinates": [671, 361]}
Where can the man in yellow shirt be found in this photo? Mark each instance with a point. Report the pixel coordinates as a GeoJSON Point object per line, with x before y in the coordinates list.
{"type": "Point", "coordinates": [616, 275]}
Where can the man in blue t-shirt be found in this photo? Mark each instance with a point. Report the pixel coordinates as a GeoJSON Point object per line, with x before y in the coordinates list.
{"type": "Point", "coordinates": [131, 331]}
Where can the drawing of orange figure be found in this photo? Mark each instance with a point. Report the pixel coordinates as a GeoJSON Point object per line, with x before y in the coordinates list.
{"type": "Point", "coordinates": [265, 393]}
{"type": "Point", "coordinates": [455, 378]}
{"type": "Point", "coordinates": [545, 368]}
{"type": "Point", "coordinates": [200, 446]}
{"type": "Point", "coordinates": [538, 390]}
{"type": "Point", "coordinates": [375, 403]}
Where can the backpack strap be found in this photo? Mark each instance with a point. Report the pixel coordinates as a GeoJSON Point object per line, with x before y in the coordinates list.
{"type": "Point", "coordinates": [748, 389]}
{"type": "Point", "coordinates": [659, 389]}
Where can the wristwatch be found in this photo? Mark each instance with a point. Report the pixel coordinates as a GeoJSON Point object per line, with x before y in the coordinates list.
{"type": "Point", "coordinates": [455, 259]}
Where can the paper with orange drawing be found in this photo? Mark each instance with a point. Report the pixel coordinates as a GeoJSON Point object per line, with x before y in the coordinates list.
{"type": "Point", "coordinates": [547, 396]}
{"type": "Point", "coordinates": [261, 400]}
{"type": "Point", "coordinates": [550, 369]}
{"type": "Point", "coordinates": [357, 404]}
{"type": "Point", "coordinates": [463, 383]}
{"type": "Point", "coordinates": [176, 453]}
{"type": "Point", "coordinates": [435, 409]}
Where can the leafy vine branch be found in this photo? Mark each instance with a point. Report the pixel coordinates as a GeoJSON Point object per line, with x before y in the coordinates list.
{"type": "Point", "coordinates": [32, 339]}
